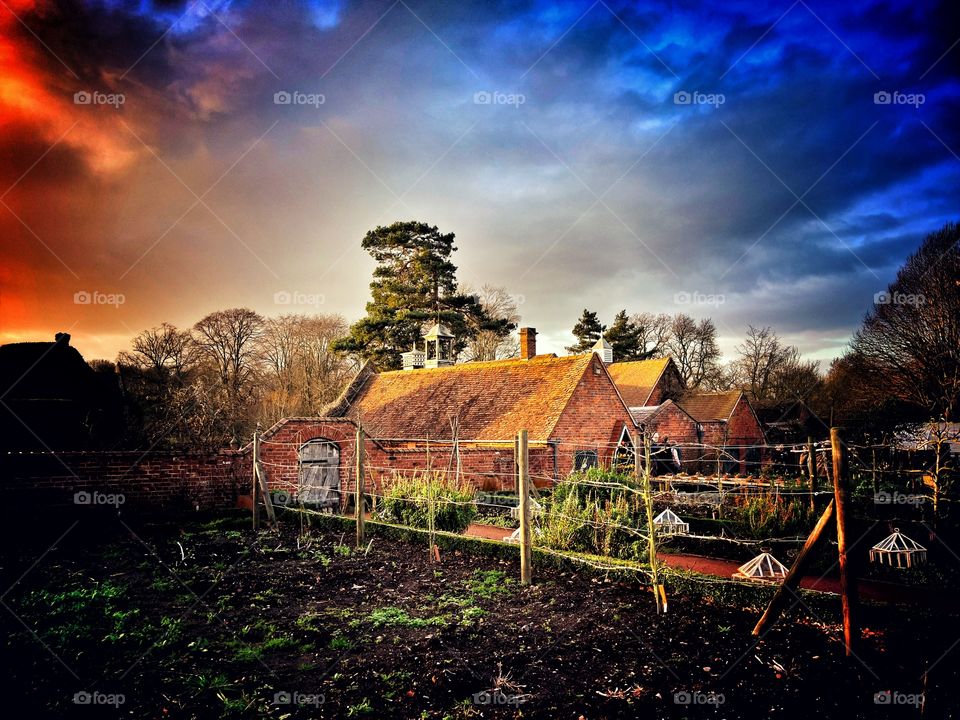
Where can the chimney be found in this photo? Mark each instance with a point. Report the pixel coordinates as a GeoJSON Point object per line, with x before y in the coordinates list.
{"type": "Point", "coordinates": [62, 338]}
{"type": "Point", "coordinates": [528, 343]}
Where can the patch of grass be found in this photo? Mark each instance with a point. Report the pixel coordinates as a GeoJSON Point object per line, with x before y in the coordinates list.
{"type": "Point", "coordinates": [361, 708]}
{"type": "Point", "coordinates": [340, 642]}
{"type": "Point", "coordinates": [311, 622]}
{"type": "Point", "coordinates": [397, 617]}
{"type": "Point", "coordinates": [343, 550]}
{"type": "Point", "coordinates": [488, 583]}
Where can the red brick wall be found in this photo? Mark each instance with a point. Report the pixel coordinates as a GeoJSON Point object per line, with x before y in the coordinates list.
{"type": "Point", "coordinates": [486, 467]}
{"type": "Point", "coordinates": [593, 419]}
{"type": "Point", "coordinates": [157, 480]}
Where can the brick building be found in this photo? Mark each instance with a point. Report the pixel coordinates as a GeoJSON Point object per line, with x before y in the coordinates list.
{"type": "Point", "coordinates": [455, 418]}
{"type": "Point", "coordinates": [726, 420]}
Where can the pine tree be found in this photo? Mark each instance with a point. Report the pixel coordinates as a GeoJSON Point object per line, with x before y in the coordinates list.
{"type": "Point", "coordinates": [625, 337]}
{"type": "Point", "coordinates": [587, 331]}
{"type": "Point", "coordinates": [414, 285]}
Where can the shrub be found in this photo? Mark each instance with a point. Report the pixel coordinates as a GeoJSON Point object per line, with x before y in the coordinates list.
{"type": "Point", "coordinates": [410, 500]}
{"type": "Point", "coordinates": [771, 515]}
{"type": "Point", "coordinates": [585, 514]}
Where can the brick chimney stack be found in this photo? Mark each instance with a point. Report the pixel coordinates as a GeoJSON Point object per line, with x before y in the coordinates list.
{"type": "Point", "coordinates": [528, 343]}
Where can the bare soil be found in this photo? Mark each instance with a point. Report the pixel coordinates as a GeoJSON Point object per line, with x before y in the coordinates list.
{"type": "Point", "coordinates": [193, 619]}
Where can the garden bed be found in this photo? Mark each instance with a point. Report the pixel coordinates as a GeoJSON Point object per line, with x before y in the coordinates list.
{"type": "Point", "coordinates": [203, 619]}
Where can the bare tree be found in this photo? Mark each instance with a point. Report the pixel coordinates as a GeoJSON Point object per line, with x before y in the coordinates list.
{"type": "Point", "coordinates": [772, 371]}
{"type": "Point", "coordinates": [693, 346]}
{"type": "Point", "coordinates": [303, 372]}
{"type": "Point", "coordinates": [228, 340]}
{"type": "Point", "coordinates": [653, 331]}
{"type": "Point", "coordinates": [163, 350]}
{"type": "Point", "coordinates": [498, 304]}
{"type": "Point", "coordinates": [909, 345]}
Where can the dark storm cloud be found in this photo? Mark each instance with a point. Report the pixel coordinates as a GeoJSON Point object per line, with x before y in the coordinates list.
{"type": "Point", "coordinates": [700, 200]}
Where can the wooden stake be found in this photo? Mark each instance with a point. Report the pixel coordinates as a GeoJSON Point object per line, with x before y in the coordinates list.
{"type": "Point", "coordinates": [812, 472]}
{"type": "Point", "coordinates": [255, 485]}
{"type": "Point", "coordinates": [792, 580]}
{"type": "Point", "coordinates": [848, 583]}
{"type": "Point", "coordinates": [526, 551]}
{"type": "Point", "coordinates": [358, 498]}
{"type": "Point", "coordinates": [659, 593]}
{"type": "Point", "coordinates": [261, 475]}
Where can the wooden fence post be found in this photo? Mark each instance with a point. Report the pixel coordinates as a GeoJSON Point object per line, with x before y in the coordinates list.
{"type": "Point", "coordinates": [792, 580]}
{"type": "Point", "coordinates": [526, 552]}
{"type": "Point", "coordinates": [659, 595]}
{"type": "Point", "coordinates": [812, 472]}
{"type": "Point", "coordinates": [255, 484]}
{"type": "Point", "coordinates": [358, 498]}
{"type": "Point", "coordinates": [848, 582]}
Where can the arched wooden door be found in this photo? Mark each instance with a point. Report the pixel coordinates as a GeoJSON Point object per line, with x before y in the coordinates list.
{"type": "Point", "coordinates": [320, 473]}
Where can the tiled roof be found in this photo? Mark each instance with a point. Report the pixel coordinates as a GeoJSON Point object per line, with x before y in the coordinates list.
{"type": "Point", "coordinates": [493, 400]}
{"type": "Point", "coordinates": [707, 407]}
{"type": "Point", "coordinates": [644, 415]}
{"type": "Point", "coordinates": [635, 380]}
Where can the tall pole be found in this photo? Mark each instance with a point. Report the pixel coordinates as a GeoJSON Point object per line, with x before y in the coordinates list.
{"type": "Point", "coordinates": [812, 472]}
{"type": "Point", "coordinates": [651, 528]}
{"type": "Point", "coordinates": [254, 488]}
{"type": "Point", "coordinates": [358, 498]}
{"type": "Point", "coordinates": [526, 551]}
{"type": "Point", "coordinates": [848, 583]}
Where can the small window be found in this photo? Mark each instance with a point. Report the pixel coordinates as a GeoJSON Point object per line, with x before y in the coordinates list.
{"type": "Point", "coordinates": [585, 459]}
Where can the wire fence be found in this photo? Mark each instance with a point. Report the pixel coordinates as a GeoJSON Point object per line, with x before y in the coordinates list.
{"type": "Point", "coordinates": [758, 495]}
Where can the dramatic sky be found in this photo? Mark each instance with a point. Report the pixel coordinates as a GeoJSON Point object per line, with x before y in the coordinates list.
{"type": "Point", "coordinates": [731, 159]}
